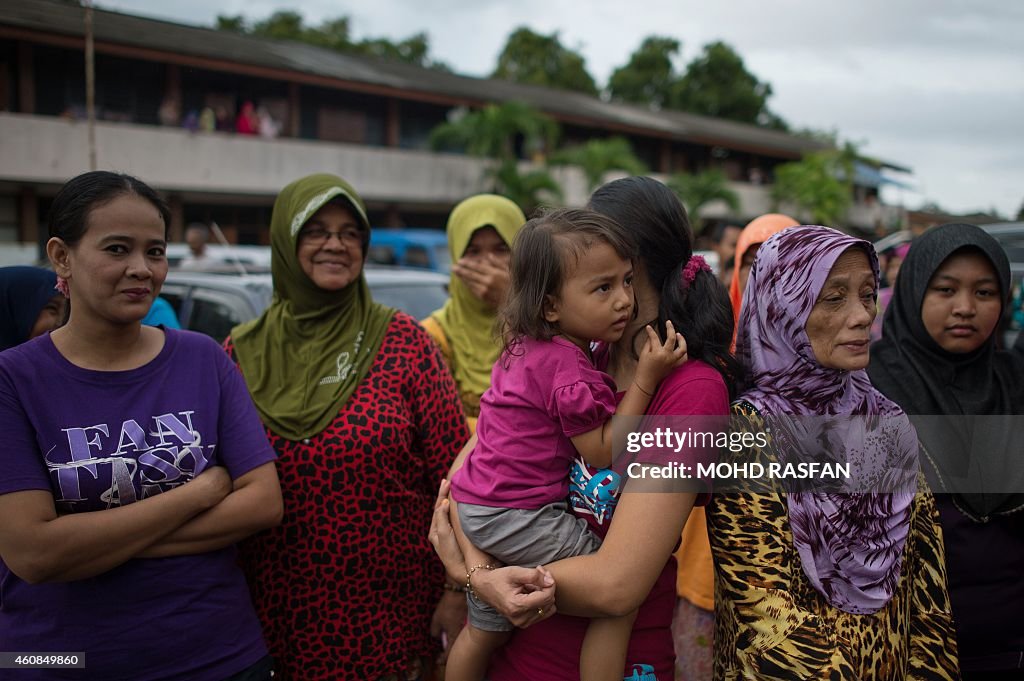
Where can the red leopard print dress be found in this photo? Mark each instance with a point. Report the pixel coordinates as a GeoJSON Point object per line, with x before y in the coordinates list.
{"type": "Point", "coordinates": [347, 585]}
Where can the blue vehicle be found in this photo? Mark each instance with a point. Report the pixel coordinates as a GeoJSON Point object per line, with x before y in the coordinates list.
{"type": "Point", "coordinates": [422, 248]}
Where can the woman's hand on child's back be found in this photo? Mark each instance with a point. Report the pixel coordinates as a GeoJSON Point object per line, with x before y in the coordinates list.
{"type": "Point", "coordinates": [658, 359]}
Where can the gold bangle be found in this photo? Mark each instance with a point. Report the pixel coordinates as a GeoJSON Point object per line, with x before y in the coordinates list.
{"type": "Point", "coordinates": [638, 387]}
{"type": "Point", "coordinates": [458, 588]}
{"type": "Point", "coordinates": [469, 577]}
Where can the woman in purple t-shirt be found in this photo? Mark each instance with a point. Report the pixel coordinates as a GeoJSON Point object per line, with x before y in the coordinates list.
{"type": "Point", "coordinates": [633, 568]}
{"type": "Point", "coordinates": [133, 461]}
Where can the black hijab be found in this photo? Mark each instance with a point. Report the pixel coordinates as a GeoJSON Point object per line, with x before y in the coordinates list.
{"type": "Point", "coordinates": [909, 367]}
{"type": "Point", "coordinates": [24, 292]}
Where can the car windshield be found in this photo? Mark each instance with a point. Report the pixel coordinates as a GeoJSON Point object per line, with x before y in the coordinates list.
{"type": "Point", "coordinates": [214, 304]}
{"type": "Point", "coordinates": [416, 299]}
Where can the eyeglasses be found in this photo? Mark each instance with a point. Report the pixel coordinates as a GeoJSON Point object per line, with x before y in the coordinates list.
{"type": "Point", "coordinates": [319, 237]}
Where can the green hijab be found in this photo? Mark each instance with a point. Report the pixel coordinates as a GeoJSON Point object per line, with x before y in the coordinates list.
{"type": "Point", "coordinates": [467, 321]}
{"type": "Point", "coordinates": [305, 355]}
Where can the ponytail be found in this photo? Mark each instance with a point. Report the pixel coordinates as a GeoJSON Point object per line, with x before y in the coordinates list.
{"type": "Point", "coordinates": [701, 311]}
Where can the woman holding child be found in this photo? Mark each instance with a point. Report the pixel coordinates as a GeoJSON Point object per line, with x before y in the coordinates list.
{"type": "Point", "coordinates": [633, 567]}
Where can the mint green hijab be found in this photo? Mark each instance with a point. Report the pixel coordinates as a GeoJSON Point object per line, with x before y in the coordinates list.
{"type": "Point", "coordinates": [306, 354]}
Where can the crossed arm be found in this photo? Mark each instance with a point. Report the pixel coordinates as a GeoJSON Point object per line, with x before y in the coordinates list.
{"type": "Point", "coordinates": [208, 513]}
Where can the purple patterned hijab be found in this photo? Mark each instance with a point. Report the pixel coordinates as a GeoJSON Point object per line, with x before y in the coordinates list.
{"type": "Point", "coordinates": [850, 545]}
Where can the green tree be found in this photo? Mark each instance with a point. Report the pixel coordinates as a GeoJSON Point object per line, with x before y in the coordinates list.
{"type": "Point", "coordinates": [282, 25]}
{"type": "Point", "coordinates": [827, 137]}
{"type": "Point", "coordinates": [599, 156]}
{"type": "Point", "coordinates": [718, 84]}
{"type": "Point", "coordinates": [500, 132]}
{"type": "Point", "coordinates": [234, 24]}
{"type": "Point", "coordinates": [334, 34]}
{"type": "Point", "coordinates": [1020, 213]}
{"type": "Point", "coordinates": [537, 59]}
{"type": "Point", "coordinates": [528, 189]}
{"type": "Point", "coordinates": [413, 50]}
{"type": "Point", "coordinates": [696, 190]}
{"type": "Point", "coordinates": [649, 77]}
{"type": "Point", "coordinates": [821, 183]}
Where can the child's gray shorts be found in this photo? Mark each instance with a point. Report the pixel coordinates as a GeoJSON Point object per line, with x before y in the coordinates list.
{"type": "Point", "coordinates": [526, 537]}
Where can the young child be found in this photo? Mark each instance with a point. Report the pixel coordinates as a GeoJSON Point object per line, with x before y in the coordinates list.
{"type": "Point", "coordinates": [571, 285]}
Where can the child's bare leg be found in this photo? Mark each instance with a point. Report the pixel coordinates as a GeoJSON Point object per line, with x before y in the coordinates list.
{"type": "Point", "coordinates": [603, 657]}
{"type": "Point", "coordinates": [471, 653]}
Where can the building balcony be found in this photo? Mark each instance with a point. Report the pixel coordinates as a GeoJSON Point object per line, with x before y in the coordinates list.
{"type": "Point", "coordinates": [47, 151]}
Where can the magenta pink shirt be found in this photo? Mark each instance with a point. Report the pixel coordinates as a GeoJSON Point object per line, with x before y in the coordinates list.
{"type": "Point", "coordinates": [550, 650]}
{"type": "Point", "coordinates": [541, 396]}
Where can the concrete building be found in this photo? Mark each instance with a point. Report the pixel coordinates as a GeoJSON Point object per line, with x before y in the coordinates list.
{"type": "Point", "coordinates": [365, 119]}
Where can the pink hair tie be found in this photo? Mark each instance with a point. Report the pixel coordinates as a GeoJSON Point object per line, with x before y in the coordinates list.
{"type": "Point", "coordinates": [695, 264]}
{"type": "Point", "coordinates": [62, 287]}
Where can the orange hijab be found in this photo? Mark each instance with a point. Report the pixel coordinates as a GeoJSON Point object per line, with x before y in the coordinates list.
{"type": "Point", "coordinates": [757, 232]}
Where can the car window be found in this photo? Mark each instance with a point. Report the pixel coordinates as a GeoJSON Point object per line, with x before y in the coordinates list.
{"type": "Point", "coordinates": [416, 299]}
{"type": "Point", "coordinates": [1012, 239]}
{"type": "Point", "coordinates": [215, 313]}
{"type": "Point", "coordinates": [382, 255]}
{"type": "Point", "coordinates": [175, 295]}
{"type": "Point", "coordinates": [1014, 250]}
{"type": "Point", "coordinates": [417, 256]}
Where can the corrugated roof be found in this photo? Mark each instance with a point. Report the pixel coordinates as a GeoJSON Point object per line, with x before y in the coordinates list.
{"type": "Point", "coordinates": [48, 16]}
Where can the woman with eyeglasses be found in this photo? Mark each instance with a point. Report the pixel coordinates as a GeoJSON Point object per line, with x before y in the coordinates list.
{"type": "Point", "coordinates": [366, 420]}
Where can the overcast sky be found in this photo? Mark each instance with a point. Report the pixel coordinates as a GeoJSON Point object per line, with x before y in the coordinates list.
{"type": "Point", "coordinates": [937, 85]}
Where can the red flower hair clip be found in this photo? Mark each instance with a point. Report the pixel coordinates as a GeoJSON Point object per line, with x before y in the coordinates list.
{"type": "Point", "coordinates": [695, 264]}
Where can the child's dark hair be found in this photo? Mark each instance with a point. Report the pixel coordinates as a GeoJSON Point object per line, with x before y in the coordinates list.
{"type": "Point", "coordinates": [69, 213]}
{"type": "Point", "coordinates": [545, 252]}
{"type": "Point", "coordinates": [701, 311]}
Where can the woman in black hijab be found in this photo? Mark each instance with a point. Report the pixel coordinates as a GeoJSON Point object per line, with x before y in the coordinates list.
{"type": "Point", "coordinates": [29, 304]}
{"type": "Point", "coordinates": [939, 361]}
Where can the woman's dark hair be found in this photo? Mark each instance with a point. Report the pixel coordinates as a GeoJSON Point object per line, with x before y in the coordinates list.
{"type": "Point", "coordinates": [69, 214]}
{"type": "Point", "coordinates": [659, 226]}
{"type": "Point", "coordinates": [544, 253]}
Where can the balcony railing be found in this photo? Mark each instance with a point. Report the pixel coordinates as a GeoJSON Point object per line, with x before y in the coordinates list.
{"type": "Point", "coordinates": [48, 150]}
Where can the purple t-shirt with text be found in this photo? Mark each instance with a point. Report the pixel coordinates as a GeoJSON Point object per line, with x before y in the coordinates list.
{"type": "Point", "coordinates": [541, 395]}
{"type": "Point", "coordinates": [103, 439]}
